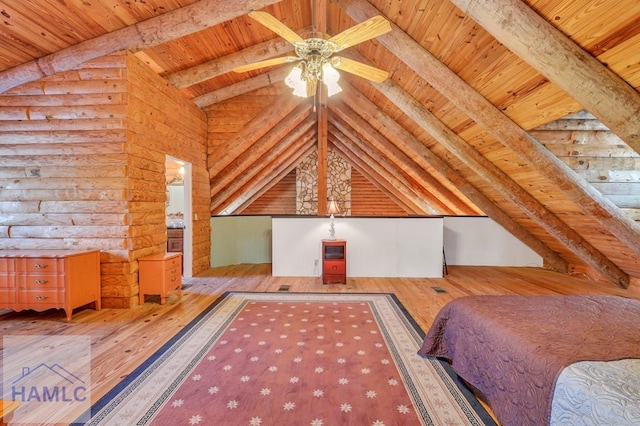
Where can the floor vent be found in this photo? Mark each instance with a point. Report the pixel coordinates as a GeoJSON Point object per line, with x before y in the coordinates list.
{"type": "Point", "coordinates": [439, 289]}
{"type": "Point", "coordinates": [284, 288]}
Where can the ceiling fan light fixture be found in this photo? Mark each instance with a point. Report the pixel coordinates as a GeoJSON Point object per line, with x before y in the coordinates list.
{"type": "Point", "coordinates": [330, 77]}
{"type": "Point", "coordinates": [294, 77]}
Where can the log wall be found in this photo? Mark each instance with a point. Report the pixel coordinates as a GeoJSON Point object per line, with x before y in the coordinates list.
{"type": "Point", "coordinates": [598, 155]}
{"type": "Point", "coordinates": [82, 167]}
{"type": "Point", "coordinates": [163, 122]}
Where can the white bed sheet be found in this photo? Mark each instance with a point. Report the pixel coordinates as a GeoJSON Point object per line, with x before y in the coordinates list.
{"type": "Point", "coordinates": [598, 393]}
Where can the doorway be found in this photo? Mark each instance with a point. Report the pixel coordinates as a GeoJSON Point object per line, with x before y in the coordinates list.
{"type": "Point", "coordinates": [178, 210]}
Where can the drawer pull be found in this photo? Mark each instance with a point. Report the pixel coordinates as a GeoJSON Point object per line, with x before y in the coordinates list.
{"type": "Point", "coordinates": [41, 281]}
{"type": "Point", "coordinates": [334, 267]}
{"type": "Point", "coordinates": [42, 297]}
{"type": "Point", "coordinates": [41, 265]}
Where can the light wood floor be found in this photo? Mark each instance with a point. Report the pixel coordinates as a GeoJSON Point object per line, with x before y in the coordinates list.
{"type": "Point", "coordinates": [123, 339]}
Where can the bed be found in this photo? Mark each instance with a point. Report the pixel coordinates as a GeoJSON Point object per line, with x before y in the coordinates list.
{"type": "Point", "coordinates": [540, 360]}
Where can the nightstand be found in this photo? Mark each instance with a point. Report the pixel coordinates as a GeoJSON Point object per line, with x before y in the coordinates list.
{"type": "Point", "coordinates": [334, 261]}
{"type": "Point", "coordinates": [160, 274]}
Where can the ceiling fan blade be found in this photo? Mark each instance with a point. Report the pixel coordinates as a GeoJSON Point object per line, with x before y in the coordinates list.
{"type": "Point", "coordinates": [276, 26]}
{"type": "Point", "coordinates": [359, 69]}
{"type": "Point", "coordinates": [266, 63]}
{"type": "Point", "coordinates": [365, 30]}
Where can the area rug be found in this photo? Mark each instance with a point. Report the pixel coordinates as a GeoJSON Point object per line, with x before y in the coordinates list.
{"type": "Point", "coordinates": [293, 359]}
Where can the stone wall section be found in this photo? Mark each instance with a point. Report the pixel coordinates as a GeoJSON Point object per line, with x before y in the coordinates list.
{"type": "Point", "coordinates": [338, 183]}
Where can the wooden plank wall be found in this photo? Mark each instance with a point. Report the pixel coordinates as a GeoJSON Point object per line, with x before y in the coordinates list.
{"type": "Point", "coordinates": [161, 122]}
{"type": "Point", "coordinates": [368, 200]}
{"type": "Point", "coordinates": [278, 200]}
{"type": "Point", "coordinates": [81, 168]}
{"type": "Point", "coordinates": [598, 155]}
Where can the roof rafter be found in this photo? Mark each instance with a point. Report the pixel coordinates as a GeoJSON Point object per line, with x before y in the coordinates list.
{"type": "Point", "coordinates": [557, 57]}
{"type": "Point", "coordinates": [387, 167]}
{"type": "Point", "coordinates": [356, 156]}
{"type": "Point", "coordinates": [502, 128]}
{"type": "Point", "coordinates": [426, 159]}
{"type": "Point", "coordinates": [267, 172]}
{"type": "Point", "coordinates": [180, 22]}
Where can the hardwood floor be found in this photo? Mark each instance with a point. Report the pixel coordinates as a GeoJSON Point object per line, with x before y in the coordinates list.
{"type": "Point", "coordinates": [123, 339]}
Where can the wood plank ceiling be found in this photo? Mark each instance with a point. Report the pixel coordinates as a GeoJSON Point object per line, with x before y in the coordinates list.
{"type": "Point", "coordinates": [447, 133]}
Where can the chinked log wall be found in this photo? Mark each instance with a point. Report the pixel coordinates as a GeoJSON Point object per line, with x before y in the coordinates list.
{"type": "Point", "coordinates": [82, 167]}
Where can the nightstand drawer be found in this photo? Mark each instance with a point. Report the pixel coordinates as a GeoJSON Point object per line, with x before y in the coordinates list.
{"type": "Point", "coordinates": [334, 267]}
{"type": "Point", "coordinates": [174, 262]}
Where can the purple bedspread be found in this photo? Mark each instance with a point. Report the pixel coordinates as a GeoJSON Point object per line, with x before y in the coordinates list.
{"type": "Point", "coordinates": [512, 348]}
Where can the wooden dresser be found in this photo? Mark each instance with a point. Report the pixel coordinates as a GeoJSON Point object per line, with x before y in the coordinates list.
{"type": "Point", "coordinates": [46, 279]}
{"type": "Point", "coordinates": [334, 261]}
{"type": "Point", "coordinates": [160, 274]}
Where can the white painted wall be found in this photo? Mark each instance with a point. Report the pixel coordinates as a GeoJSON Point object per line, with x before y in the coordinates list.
{"type": "Point", "coordinates": [240, 239]}
{"type": "Point", "coordinates": [479, 241]}
{"type": "Point", "coordinates": [376, 247]}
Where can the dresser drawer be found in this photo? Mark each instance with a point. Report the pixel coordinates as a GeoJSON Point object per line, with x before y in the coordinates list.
{"type": "Point", "coordinates": [39, 281]}
{"type": "Point", "coordinates": [6, 282]}
{"type": "Point", "coordinates": [7, 298]}
{"type": "Point", "coordinates": [7, 265]}
{"type": "Point", "coordinates": [37, 265]}
{"type": "Point", "coordinates": [41, 298]}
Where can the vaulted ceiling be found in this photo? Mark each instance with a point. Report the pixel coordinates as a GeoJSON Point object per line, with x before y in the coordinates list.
{"type": "Point", "coordinates": [447, 133]}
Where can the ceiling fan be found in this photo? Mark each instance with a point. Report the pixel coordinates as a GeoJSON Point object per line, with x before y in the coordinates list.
{"type": "Point", "coordinates": [315, 55]}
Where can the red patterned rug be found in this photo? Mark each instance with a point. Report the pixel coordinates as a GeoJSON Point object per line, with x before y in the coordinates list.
{"type": "Point", "coordinates": [293, 359]}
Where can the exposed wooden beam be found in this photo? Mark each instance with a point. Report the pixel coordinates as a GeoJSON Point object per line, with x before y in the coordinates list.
{"type": "Point", "coordinates": [426, 159]}
{"type": "Point", "coordinates": [319, 17]}
{"type": "Point", "coordinates": [502, 183]}
{"type": "Point", "coordinates": [563, 62]}
{"type": "Point", "coordinates": [322, 153]}
{"type": "Point", "coordinates": [405, 172]}
{"type": "Point", "coordinates": [245, 138]}
{"type": "Point", "coordinates": [267, 171]}
{"type": "Point", "coordinates": [263, 147]}
{"type": "Point", "coordinates": [160, 29]}
{"type": "Point", "coordinates": [371, 176]}
{"type": "Point", "coordinates": [263, 80]}
{"type": "Point", "coordinates": [381, 171]}
{"type": "Point", "coordinates": [501, 127]}
{"type": "Point", "coordinates": [292, 164]}
{"type": "Point", "coordinates": [449, 203]}
{"type": "Point", "coordinates": [225, 64]}
{"type": "Point", "coordinates": [244, 175]}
